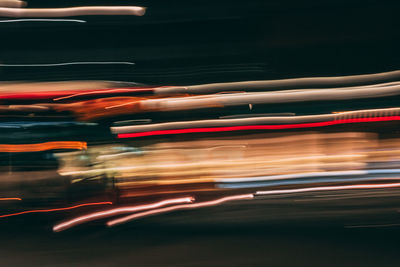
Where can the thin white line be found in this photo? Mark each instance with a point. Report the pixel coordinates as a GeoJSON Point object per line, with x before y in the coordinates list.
{"type": "Point", "coordinates": [327, 188]}
{"type": "Point", "coordinates": [43, 20]}
{"type": "Point", "coordinates": [70, 63]}
{"type": "Point", "coordinates": [291, 176]}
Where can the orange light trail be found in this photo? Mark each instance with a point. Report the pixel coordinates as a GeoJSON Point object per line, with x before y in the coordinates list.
{"type": "Point", "coordinates": [43, 146]}
{"type": "Point", "coordinates": [56, 209]}
{"type": "Point", "coordinates": [117, 211]}
{"type": "Point", "coordinates": [10, 198]}
{"type": "Point", "coordinates": [178, 207]}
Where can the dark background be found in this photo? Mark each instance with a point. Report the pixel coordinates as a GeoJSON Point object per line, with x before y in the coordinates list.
{"type": "Point", "coordinates": [191, 42]}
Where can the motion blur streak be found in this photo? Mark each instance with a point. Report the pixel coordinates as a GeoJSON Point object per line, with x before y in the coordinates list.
{"type": "Point", "coordinates": [57, 209]}
{"type": "Point", "coordinates": [179, 207]}
{"type": "Point", "coordinates": [286, 83]}
{"type": "Point", "coordinates": [43, 20]}
{"type": "Point", "coordinates": [10, 198]}
{"type": "Point", "coordinates": [70, 63]}
{"type": "Point", "coordinates": [12, 3]}
{"type": "Point", "coordinates": [259, 127]}
{"type": "Point", "coordinates": [117, 211]}
{"type": "Point", "coordinates": [328, 188]}
{"type": "Point", "coordinates": [72, 11]}
{"type": "Point", "coordinates": [43, 146]}
{"type": "Point", "coordinates": [118, 90]}
{"type": "Point", "coordinates": [274, 119]}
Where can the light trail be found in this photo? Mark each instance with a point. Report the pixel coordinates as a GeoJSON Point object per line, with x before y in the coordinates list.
{"type": "Point", "coordinates": [56, 209]}
{"type": "Point", "coordinates": [72, 11]}
{"type": "Point", "coordinates": [43, 146]}
{"type": "Point", "coordinates": [327, 188]}
{"type": "Point", "coordinates": [70, 63]}
{"type": "Point", "coordinates": [179, 207]}
{"type": "Point", "coordinates": [10, 198]}
{"type": "Point", "coordinates": [117, 211]}
{"type": "Point", "coordinates": [258, 127]}
{"type": "Point", "coordinates": [43, 20]}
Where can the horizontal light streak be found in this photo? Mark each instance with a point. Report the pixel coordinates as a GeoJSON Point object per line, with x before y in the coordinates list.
{"type": "Point", "coordinates": [70, 63]}
{"type": "Point", "coordinates": [72, 11]}
{"type": "Point", "coordinates": [258, 127]}
{"type": "Point", "coordinates": [57, 209]}
{"type": "Point", "coordinates": [327, 188]}
{"type": "Point", "coordinates": [179, 207]}
{"type": "Point", "coordinates": [42, 146]}
{"type": "Point", "coordinates": [117, 211]}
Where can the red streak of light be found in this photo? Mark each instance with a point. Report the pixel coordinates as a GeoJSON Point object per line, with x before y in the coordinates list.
{"type": "Point", "coordinates": [259, 127]}
{"type": "Point", "coordinates": [57, 209]}
{"type": "Point", "coordinates": [117, 211]}
{"type": "Point", "coordinates": [178, 207]}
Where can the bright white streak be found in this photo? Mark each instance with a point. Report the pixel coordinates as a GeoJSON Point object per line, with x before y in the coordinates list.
{"type": "Point", "coordinates": [327, 188]}
{"type": "Point", "coordinates": [117, 211]}
{"type": "Point", "coordinates": [179, 207]}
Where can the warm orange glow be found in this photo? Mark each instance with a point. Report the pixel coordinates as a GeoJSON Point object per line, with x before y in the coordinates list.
{"type": "Point", "coordinates": [43, 146]}
{"type": "Point", "coordinates": [10, 198]}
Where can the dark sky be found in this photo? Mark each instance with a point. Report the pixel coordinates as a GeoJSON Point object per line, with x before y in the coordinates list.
{"type": "Point", "coordinates": [189, 42]}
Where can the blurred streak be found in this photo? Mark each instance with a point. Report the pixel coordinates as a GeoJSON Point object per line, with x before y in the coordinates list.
{"type": "Point", "coordinates": [275, 97]}
{"type": "Point", "coordinates": [72, 11]}
{"type": "Point", "coordinates": [70, 63]}
{"type": "Point", "coordinates": [355, 80]}
{"type": "Point", "coordinates": [56, 209]}
{"type": "Point", "coordinates": [10, 198]}
{"type": "Point", "coordinates": [179, 207]}
{"type": "Point", "coordinates": [42, 20]}
{"type": "Point", "coordinates": [271, 118]}
{"type": "Point", "coordinates": [101, 92]}
{"type": "Point", "coordinates": [117, 211]}
{"type": "Point", "coordinates": [327, 188]}
{"type": "Point", "coordinates": [35, 87]}
{"type": "Point", "coordinates": [309, 175]}
{"type": "Point", "coordinates": [259, 127]}
{"type": "Point", "coordinates": [43, 146]}
{"type": "Point", "coordinates": [12, 3]}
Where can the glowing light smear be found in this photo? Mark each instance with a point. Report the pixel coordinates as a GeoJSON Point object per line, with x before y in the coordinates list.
{"type": "Point", "coordinates": [56, 209]}
{"type": "Point", "coordinates": [178, 207]}
{"type": "Point", "coordinates": [43, 20]}
{"type": "Point", "coordinates": [10, 198]}
{"type": "Point", "coordinates": [43, 146]}
{"type": "Point", "coordinates": [328, 188]}
{"type": "Point", "coordinates": [117, 211]}
{"type": "Point", "coordinates": [108, 91]}
{"type": "Point", "coordinates": [70, 63]}
{"type": "Point", "coordinates": [259, 127]}
{"type": "Point", "coordinates": [12, 3]}
{"type": "Point", "coordinates": [72, 11]}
